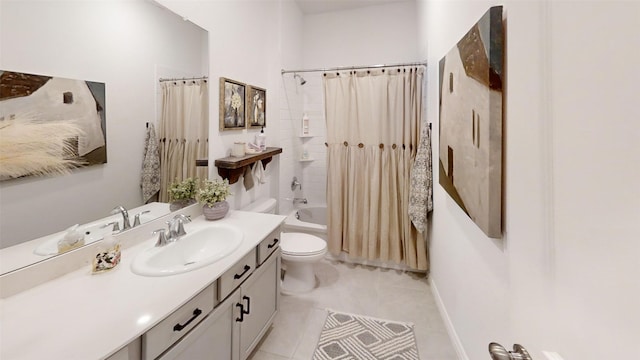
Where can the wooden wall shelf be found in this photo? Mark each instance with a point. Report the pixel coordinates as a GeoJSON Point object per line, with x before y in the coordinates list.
{"type": "Point", "coordinates": [232, 168]}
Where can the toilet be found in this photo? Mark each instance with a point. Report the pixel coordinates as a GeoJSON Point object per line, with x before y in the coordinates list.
{"type": "Point", "coordinates": [299, 252]}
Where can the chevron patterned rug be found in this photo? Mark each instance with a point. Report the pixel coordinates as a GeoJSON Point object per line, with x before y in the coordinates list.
{"type": "Point", "coordinates": [347, 336]}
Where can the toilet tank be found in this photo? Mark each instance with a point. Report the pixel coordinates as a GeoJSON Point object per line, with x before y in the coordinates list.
{"type": "Point", "coordinates": [267, 206]}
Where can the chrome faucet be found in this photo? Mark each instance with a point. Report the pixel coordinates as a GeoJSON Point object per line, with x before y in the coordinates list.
{"type": "Point", "coordinates": [295, 184]}
{"type": "Point", "coordinates": [162, 237]}
{"type": "Point", "coordinates": [136, 218]}
{"type": "Point", "coordinates": [299, 200]}
{"type": "Point", "coordinates": [174, 232]}
{"type": "Point", "coordinates": [176, 227]}
{"type": "Point", "coordinates": [125, 216]}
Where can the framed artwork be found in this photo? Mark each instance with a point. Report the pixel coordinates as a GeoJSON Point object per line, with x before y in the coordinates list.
{"type": "Point", "coordinates": [256, 107]}
{"type": "Point", "coordinates": [470, 138]}
{"type": "Point", "coordinates": [50, 124]}
{"type": "Point", "coordinates": [232, 104]}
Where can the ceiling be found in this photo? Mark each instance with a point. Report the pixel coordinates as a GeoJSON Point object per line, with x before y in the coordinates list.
{"type": "Point", "coordinates": [322, 6]}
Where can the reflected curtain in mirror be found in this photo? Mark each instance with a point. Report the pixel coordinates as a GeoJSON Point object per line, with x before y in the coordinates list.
{"type": "Point", "coordinates": [184, 131]}
{"type": "Point", "coordinates": [373, 126]}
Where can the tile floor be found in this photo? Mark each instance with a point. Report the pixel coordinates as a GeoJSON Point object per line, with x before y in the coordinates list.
{"type": "Point", "coordinates": [382, 293]}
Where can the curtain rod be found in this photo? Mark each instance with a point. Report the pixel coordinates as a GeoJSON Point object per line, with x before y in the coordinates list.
{"type": "Point", "coordinates": [424, 63]}
{"type": "Point", "coordinates": [185, 79]}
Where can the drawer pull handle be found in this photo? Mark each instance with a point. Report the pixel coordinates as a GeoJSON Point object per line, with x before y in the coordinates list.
{"type": "Point", "coordinates": [179, 327]}
{"type": "Point", "coordinates": [275, 241]}
{"type": "Point", "coordinates": [238, 276]}
{"type": "Point", "coordinates": [241, 318]}
{"type": "Point", "coordinates": [248, 305]}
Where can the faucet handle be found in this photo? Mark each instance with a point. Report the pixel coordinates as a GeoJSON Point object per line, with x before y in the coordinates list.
{"type": "Point", "coordinates": [295, 183]}
{"type": "Point", "coordinates": [177, 225]}
{"type": "Point", "coordinates": [162, 237]}
{"type": "Point", "coordinates": [116, 226]}
{"type": "Point", "coordinates": [183, 217]}
{"type": "Point", "coordinates": [136, 219]}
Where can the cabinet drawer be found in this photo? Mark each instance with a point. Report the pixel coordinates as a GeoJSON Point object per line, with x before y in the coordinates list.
{"type": "Point", "coordinates": [268, 245]}
{"type": "Point", "coordinates": [176, 325]}
{"type": "Point", "coordinates": [233, 277]}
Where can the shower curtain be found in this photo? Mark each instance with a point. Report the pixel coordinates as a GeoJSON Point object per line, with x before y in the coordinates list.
{"type": "Point", "coordinates": [184, 132]}
{"type": "Point", "coordinates": [373, 128]}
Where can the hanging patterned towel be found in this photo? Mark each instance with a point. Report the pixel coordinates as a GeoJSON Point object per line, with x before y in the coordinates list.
{"type": "Point", "coordinates": [421, 191]}
{"type": "Point", "coordinates": [150, 181]}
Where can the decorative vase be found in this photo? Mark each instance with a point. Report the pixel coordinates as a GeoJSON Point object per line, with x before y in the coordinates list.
{"type": "Point", "coordinates": [179, 204]}
{"type": "Point", "coordinates": [216, 211]}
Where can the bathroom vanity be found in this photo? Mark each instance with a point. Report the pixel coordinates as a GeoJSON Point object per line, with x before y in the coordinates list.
{"type": "Point", "coordinates": [218, 311]}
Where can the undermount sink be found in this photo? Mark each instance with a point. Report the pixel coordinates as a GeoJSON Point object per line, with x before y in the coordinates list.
{"type": "Point", "coordinates": [193, 251]}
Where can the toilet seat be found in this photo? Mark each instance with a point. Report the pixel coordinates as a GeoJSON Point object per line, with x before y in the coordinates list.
{"type": "Point", "coordinates": [300, 244]}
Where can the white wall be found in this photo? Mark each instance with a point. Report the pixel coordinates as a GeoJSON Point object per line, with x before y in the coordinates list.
{"type": "Point", "coordinates": [563, 277]}
{"type": "Point", "coordinates": [364, 36]}
{"type": "Point", "coordinates": [314, 173]}
{"type": "Point", "coordinates": [120, 43]}
{"type": "Point", "coordinates": [381, 34]}
{"type": "Point", "coordinates": [291, 103]}
{"type": "Point", "coordinates": [593, 82]}
{"type": "Point", "coordinates": [275, 35]}
{"type": "Point", "coordinates": [244, 45]}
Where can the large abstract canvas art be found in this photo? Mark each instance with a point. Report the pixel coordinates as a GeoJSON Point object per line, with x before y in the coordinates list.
{"type": "Point", "coordinates": [471, 102]}
{"type": "Point", "coordinates": [49, 125]}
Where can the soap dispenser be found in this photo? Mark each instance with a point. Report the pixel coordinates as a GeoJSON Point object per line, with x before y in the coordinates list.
{"type": "Point", "coordinates": [261, 140]}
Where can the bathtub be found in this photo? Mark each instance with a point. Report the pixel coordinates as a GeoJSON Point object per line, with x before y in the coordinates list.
{"type": "Point", "coordinates": [311, 220]}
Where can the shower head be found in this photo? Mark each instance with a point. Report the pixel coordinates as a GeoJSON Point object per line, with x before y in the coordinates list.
{"type": "Point", "coordinates": [302, 80]}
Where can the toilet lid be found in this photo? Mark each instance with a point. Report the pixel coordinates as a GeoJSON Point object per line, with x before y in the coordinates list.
{"type": "Point", "coordinates": [301, 244]}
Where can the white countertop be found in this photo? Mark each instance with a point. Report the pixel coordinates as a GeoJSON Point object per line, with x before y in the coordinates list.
{"type": "Point", "coordinates": [84, 316]}
{"type": "Point", "coordinates": [20, 255]}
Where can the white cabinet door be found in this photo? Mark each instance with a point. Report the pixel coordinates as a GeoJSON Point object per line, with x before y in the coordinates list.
{"type": "Point", "coordinates": [215, 338]}
{"type": "Point", "coordinates": [133, 351]}
{"type": "Point", "coordinates": [260, 303]}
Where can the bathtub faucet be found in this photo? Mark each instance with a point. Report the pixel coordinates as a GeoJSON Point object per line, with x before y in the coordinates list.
{"type": "Point", "coordinates": [295, 184]}
{"type": "Point", "coordinates": [299, 201]}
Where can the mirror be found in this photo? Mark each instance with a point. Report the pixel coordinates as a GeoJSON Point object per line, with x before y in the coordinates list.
{"type": "Point", "coordinates": [32, 251]}
{"type": "Point", "coordinates": [128, 46]}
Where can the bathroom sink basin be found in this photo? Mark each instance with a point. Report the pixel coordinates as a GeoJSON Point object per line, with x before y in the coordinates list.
{"type": "Point", "coordinates": [93, 231]}
{"type": "Point", "coordinates": [193, 251]}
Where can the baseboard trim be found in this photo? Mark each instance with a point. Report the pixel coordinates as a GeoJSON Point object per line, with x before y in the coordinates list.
{"type": "Point", "coordinates": [455, 340]}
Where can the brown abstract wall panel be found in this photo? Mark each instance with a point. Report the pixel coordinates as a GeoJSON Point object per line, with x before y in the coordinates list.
{"type": "Point", "coordinates": [471, 99]}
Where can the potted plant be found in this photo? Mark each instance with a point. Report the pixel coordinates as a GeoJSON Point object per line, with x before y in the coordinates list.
{"type": "Point", "coordinates": [182, 193]}
{"type": "Point", "coordinates": [213, 197]}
